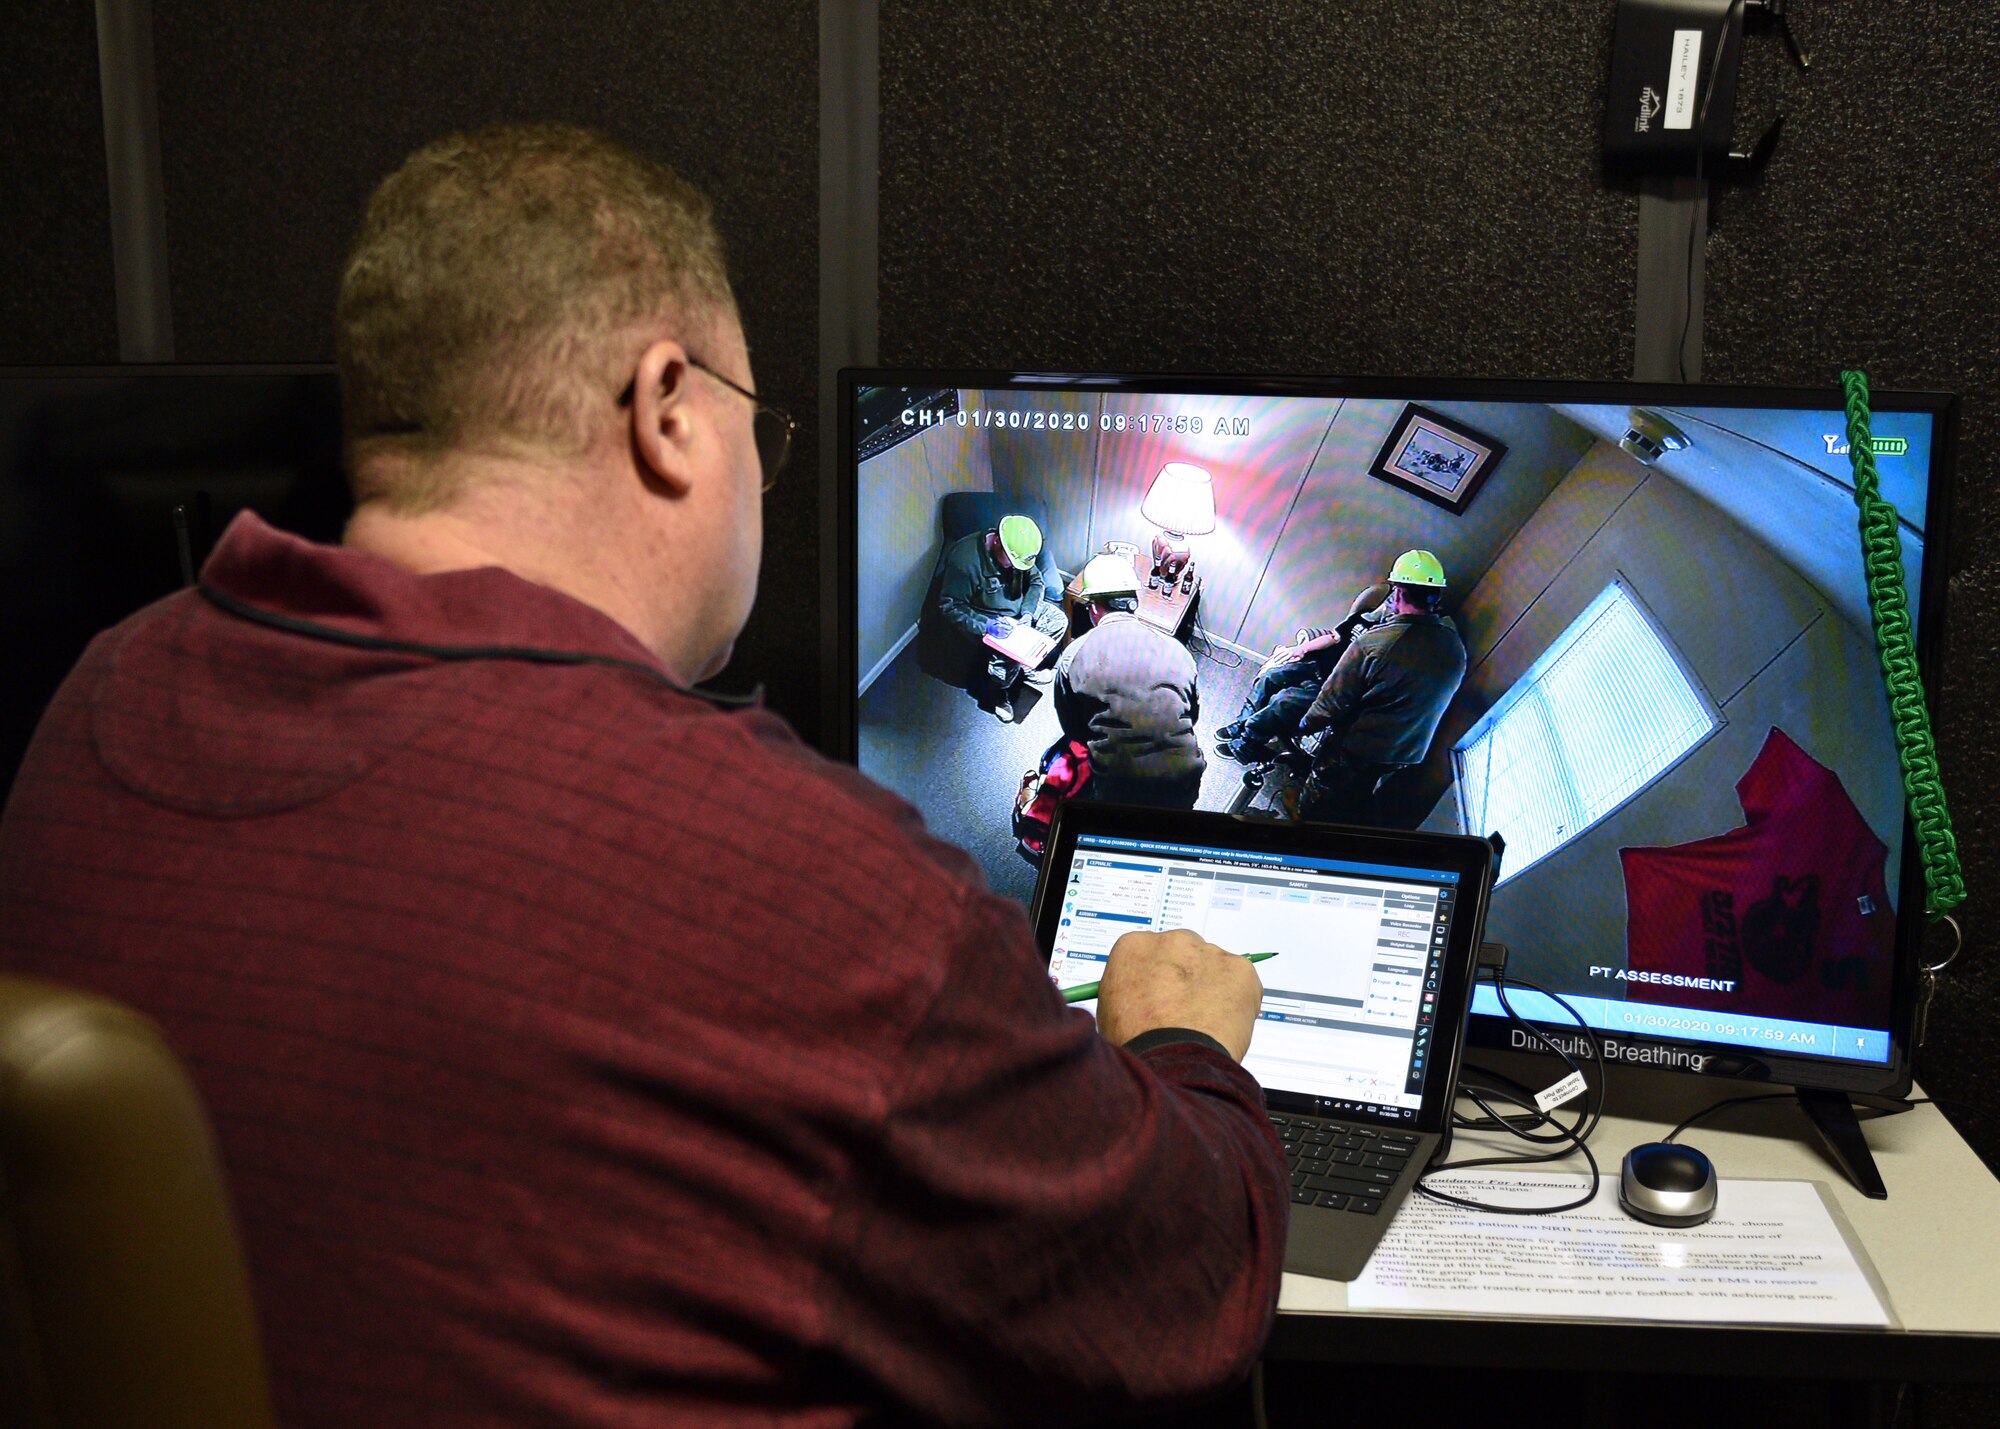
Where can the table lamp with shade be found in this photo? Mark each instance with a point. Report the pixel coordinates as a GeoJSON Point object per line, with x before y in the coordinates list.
{"type": "Point", "coordinates": [1181, 502]}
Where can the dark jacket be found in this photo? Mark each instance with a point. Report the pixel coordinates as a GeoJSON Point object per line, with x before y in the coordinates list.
{"type": "Point", "coordinates": [972, 588]}
{"type": "Point", "coordinates": [1389, 689]}
{"type": "Point", "coordinates": [1127, 690]}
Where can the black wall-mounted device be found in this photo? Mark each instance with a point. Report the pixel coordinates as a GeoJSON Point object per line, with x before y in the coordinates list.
{"type": "Point", "coordinates": [1673, 86]}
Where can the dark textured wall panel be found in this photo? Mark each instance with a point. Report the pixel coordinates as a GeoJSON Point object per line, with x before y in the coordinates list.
{"type": "Point", "coordinates": [1380, 186]}
{"type": "Point", "coordinates": [278, 120]}
{"type": "Point", "coordinates": [1369, 186]}
{"type": "Point", "coordinates": [58, 301]}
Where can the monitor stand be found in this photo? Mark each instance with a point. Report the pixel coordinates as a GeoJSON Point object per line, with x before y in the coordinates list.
{"type": "Point", "coordinates": [1833, 1118]}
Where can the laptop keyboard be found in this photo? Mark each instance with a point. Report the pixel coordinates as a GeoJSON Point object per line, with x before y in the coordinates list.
{"type": "Point", "coordinates": [1341, 1166]}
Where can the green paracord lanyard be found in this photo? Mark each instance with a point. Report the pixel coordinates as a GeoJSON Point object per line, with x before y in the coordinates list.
{"type": "Point", "coordinates": [1888, 602]}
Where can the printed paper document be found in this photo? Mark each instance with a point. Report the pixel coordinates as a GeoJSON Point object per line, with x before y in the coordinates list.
{"type": "Point", "coordinates": [1771, 1255]}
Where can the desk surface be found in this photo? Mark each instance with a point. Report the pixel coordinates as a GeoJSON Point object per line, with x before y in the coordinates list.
{"type": "Point", "coordinates": [1935, 1244]}
{"type": "Point", "coordinates": [1168, 609]}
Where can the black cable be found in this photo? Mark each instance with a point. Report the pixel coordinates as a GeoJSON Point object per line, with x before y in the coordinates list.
{"type": "Point", "coordinates": [1469, 1204]}
{"type": "Point", "coordinates": [1880, 1111]}
{"type": "Point", "coordinates": [1709, 1111]}
{"type": "Point", "coordinates": [1695, 226]}
{"type": "Point", "coordinates": [1476, 1093]}
{"type": "Point", "coordinates": [1228, 659]}
{"type": "Point", "coordinates": [1700, 154]}
{"type": "Point", "coordinates": [1590, 1033]}
{"type": "Point", "coordinates": [1572, 1138]}
{"type": "Point", "coordinates": [1944, 1104]}
{"type": "Point", "coordinates": [1516, 1092]}
{"type": "Point", "coordinates": [1522, 1126]}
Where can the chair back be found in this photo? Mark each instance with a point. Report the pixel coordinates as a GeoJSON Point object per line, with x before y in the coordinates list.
{"type": "Point", "coordinates": [123, 1295]}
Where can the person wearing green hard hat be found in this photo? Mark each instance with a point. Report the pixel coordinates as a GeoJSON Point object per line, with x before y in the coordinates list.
{"type": "Point", "coordinates": [1290, 681]}
{"type": "Point", "coordinates": [1284, 689]}
{"type": "Point", "coordinates": [991, 581]}
{"type": "Point", "coordinates": [1419, 570]}
{"type": "Point", "coordinates": [1385, 696]}
{"type": "Point", "coordinates": [1126, 690]}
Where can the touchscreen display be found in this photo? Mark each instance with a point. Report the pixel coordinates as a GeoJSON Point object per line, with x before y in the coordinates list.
{"type": "Point", "coordinates": [1350, 1004]}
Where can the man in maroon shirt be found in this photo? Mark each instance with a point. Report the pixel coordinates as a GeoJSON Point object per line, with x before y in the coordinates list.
{"type": "Point", "coordinates": [584, 1050]}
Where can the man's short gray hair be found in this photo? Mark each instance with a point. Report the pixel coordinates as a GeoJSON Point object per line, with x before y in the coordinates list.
{"type": "Point", "coordinates": [490, 296]}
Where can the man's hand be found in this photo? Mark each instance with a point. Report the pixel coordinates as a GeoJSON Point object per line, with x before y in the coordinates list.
{"type": "Point", "coordinates": [1178, 980]}
{"type": "Point", "coordinates": [1292, 654]}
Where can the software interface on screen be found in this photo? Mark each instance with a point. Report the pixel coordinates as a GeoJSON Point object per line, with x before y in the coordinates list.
{"type": "Point", "coordinates": [1350, 1004]}
{"type": "Point", "coordinates": [1651, 667]}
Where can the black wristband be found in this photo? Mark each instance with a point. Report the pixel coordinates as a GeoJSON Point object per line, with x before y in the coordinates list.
{"type": "Point", "coordinates": [1168, 1036]}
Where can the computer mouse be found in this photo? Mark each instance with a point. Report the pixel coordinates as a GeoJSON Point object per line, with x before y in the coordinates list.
{"type": "Point", "coordinates": [1665, 1184]}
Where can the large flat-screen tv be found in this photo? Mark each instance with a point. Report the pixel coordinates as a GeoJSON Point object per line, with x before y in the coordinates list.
{"type": "Point", "coordinates": [1669, 703]}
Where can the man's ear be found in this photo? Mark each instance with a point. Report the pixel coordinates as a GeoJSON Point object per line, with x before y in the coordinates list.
{"type": "Point", "coordinates": [662, 420]}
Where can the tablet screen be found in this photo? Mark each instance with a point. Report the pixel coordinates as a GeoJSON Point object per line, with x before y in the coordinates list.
{"type": "Point", "coordinates": [1352, 1001]}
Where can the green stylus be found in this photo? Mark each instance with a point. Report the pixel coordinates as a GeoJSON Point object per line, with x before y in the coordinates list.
{"type": "Point", "coordinates": [1084, 992]}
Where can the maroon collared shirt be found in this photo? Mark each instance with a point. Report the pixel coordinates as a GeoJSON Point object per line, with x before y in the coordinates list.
{"type": "Point", "coordinates": [584, 1053]}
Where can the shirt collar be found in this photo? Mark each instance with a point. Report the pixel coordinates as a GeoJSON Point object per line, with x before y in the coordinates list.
{"type": "Point", "coordinates": [363, 594]}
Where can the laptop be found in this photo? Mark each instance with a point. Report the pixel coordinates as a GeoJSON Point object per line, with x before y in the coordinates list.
{"type": "Point", "coordinates": [1358, 1040]}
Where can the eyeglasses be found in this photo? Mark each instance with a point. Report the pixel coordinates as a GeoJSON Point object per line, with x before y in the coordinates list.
{"type": "Point", "coordinates": [771, 427]}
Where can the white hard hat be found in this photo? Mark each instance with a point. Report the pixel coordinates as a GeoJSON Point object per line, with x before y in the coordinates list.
{"type": "Point", "coordinates": [1108, 575]}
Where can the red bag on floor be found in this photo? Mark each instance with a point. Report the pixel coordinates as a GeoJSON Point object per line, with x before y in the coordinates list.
{"type": "Point", "coordinates": [1063, 773]}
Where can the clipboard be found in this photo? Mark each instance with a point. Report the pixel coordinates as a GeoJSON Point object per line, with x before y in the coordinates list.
{"type": "Point", "coordinates": [1024, 644]}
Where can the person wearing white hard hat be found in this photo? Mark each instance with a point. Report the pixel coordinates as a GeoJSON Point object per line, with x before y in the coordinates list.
{"type": "Point", "coordinates": [1127, 690]}
{"type": "Point", "coordinates": [1385, 697]}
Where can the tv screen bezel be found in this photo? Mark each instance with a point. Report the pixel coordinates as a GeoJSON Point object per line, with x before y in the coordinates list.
{"type": "Point", "coordinates": [1892, 1078]}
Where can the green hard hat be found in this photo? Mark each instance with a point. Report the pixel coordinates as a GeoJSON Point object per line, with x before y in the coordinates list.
{"type": "Point", "coordinates": [1417, 568]}
{"type": "Point", "coordinates": [1022, 540]}
{"type": "Point", "coordinates": [1108, 575]}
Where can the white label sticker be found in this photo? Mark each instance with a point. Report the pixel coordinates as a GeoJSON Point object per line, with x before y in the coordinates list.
{"type": "Point", "coordinates": [1568, 1089]}
{"type": "Point", "coordinates": [1683, 80]}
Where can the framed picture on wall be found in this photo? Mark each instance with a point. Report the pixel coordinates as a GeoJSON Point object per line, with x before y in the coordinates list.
{"type": "Point", "coordinates": [1429, 455]}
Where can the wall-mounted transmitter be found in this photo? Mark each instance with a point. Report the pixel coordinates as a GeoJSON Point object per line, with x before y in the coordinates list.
{"type": "Point", "coordinates": [1673, 85]}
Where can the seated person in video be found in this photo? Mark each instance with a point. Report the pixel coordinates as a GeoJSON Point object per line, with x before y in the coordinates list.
{"type": "Point", "coordinates": [1387, 692]}
{"type": "Point", "coordinates": [991, 576]}
{"type": "Point", "coordinates": [1126, 690]}
{"type": "Point", "coordinates": [1284, 689]}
